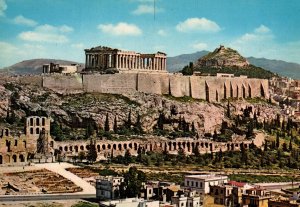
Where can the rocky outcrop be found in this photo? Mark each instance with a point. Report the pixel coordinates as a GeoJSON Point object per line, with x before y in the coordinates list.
{"type": "Point", "coordinates": [222, 57]}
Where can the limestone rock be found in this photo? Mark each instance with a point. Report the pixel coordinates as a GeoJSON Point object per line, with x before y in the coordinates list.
{"type": "Point", "coordinates": [222, 57]}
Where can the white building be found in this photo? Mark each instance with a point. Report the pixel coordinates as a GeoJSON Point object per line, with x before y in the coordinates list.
{"type": "Point", "coordinates": [190, 200]}
{"type": "Point", "coordinates": [201, 183]}
{"type": "Point", "coordinates": [57, 68]}
{"type": "Point", "coordinates": [108, 187]}
{"type": "Point", "coordinates": [129, 202]}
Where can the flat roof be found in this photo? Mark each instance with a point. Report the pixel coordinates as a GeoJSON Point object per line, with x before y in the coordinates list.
{"type": "Point", "coordinates": [207, 177]}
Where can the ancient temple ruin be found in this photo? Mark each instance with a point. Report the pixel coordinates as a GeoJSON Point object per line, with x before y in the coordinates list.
{"type": "Point", "coordinates": [105, 59]}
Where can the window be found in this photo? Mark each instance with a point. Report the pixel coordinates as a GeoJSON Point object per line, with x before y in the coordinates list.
{"type": "Point", "coordinates": [31, 130]}
{"type": "Point", "coordinates": [197, 184]}
{"type": "Point", "coordinates": [187, 183]}
{"type": "Point", "coordinates": [200, 184]}
{"type": "Point", "coordinates": [38, 122]}
{"type": "Point", "coordinates": [16, 142]}
{"type": "Point", "coordinates": [43, 121]}
{"type": "Point", "coordinates": [192, 183]}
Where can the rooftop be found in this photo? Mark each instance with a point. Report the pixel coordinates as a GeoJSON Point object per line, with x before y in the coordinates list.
{"type": "Point", "coordinates": [207, 177]}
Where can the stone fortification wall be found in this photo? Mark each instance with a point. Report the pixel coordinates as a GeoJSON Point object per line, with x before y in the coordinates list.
{"type": "Point", "coordinates": [209, 88]}
{"type": "Point", "coordinates": [116, 83]}
{"type": "Point", "coordinates": [65, 84]}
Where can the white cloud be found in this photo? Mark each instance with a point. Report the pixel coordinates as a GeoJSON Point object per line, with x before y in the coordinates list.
{"type": "Point", "coordinates": [78, 45]}
{"type": "Point", "coordinates": [120, 29]}
{"type": "Point", "coordinates": [146, 9]}
{"type": "Point", "coordinates": [3, 7]}
{"type": "Point", "coordinates": [47, 33]}
{"type": "Point", "coordinates": [198, 24]}
{"type": "Point", "coordinates": [262, 29]}
{"type": "Point", "coordinates": [162, 32]}
{"type": "Point", "coordinates": [200, 46]}
{"type": "Point", "coordinates": [24, 21]}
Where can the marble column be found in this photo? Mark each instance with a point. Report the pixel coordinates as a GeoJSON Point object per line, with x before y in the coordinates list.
{"type": "Point", "coordinates": [165, 66]}
{"type": "Point", "coordinates": [116, 61]}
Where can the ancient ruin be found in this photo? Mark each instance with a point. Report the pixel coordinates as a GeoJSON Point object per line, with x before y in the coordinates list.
{"type": "Point", "coordinates": [36, 145]}
{"type": "Point", "coordinates": [102, 59]}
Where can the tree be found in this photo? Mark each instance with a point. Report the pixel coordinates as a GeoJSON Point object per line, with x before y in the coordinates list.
{"type": "Point", "coordinates": [290, 145]}
{"type": "Point", "coordinates": [106, 125]}
{"type": "Point", "coordinates": [277, 140]}
{"type": "Point", "coordinates": [138, 125]}
{"type": "Point", "coordinates": [228, 109]}
{"type": "Point", "coordinates": [89, 130]}
{"type": "Point", "coordinates": [128, 123]}
{"type": "Point", "coordinates": [160, 121]}
{"type": "Point", "coordinates": [127, 157]}
{"type": "Point", "coordinates": [115, 124]}
{"type": "Point", "coordinates": [92, 153]}
{"type": "Point", "coordinates": [81, 156]}
{"type": "Point", "coordinates": [133, 180]}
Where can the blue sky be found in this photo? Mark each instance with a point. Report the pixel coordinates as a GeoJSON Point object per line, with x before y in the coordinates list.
{"type": "Point", "coordinates": [63, 28]}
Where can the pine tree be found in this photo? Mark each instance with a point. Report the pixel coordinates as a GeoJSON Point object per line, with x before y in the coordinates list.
{"type": "Point", "coordinates": [160, 121]}
{"type": "Point", "coordinates": [128, 123]}
{"type": "Point", "coordinates": [106, 126]}
{"type": "Point", "coordinates": [138, 125]}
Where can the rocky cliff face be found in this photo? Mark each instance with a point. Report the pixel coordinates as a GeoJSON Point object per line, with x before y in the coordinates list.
{"type": "Point", "coordinates": [72, 113]}
{"type": "Point", "coordinates": [222, 57]}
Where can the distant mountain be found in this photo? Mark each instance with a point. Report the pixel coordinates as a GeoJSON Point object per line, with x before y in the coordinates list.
{"type": "Point", "coordinates": [277, 66]}
{"type": "Point", "coordinates": [33, 66]}
{"type": "Point", "coordinates": [176, 63]}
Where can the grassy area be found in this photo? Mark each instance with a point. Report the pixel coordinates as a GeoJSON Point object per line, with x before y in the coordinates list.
{"type": "Point", "coordinates": [85, 204]}
{"type": "Point", "coordinates": [251, 178]}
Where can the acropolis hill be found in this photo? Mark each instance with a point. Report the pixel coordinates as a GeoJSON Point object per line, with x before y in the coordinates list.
{"type": "Point", "coordinates": [136, 72]}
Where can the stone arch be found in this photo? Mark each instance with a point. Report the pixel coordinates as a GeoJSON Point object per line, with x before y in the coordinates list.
{"type": "Point", "coordinates": [31, 130]}
{"type": "Point", "coordinates": [37, 121]}
{"type": "Point", "coordinates": [81, 147]}
{"type": "Point", "coordinates": [98, 148]}
{"type": "Point", "coordinates": [14, 157]}
{"type": "Point", "coordinates": [232, 146]}
{"type": "Point", "coordinates": [37, 130]}
{"type": "Point", "coordinates": [130, 145]}
{"type": "Point", "coordinates": [103, 146]}
{"type": "Point", "coordinates": [66, 148]}
{"type": "Point", "coordinates": [71, 148]}
{"type": "Point", "coordinates": [87, 147]}
{"type": "Point", "coordinates": [31, 121]}
{"type": "Point", "coordinates": [193, 145]}
{"type": "Point", "coordinates": [21, 158]}
{"type": "Point", "coordinates": [206, 145]}
{"type": "Point", "coordinates": [43, 121]}
{"type": "Point", "coordinates": [1, 159]}
{"type": "Point", "coordinates": [108, 146]}
{"type": "Point", "coordinates": [174, 146]}
{"type": "Point", "coordinates": [206, 92]}
{"type": "Point", "coordinates": [114, 146]}
{"type": "Point", "coordinates": [120, 147]}
{"type": "Point", "coordinates": [76, 148]}
{"type": "Point", "coordinates": [135, 146]}
{"type": "Point", "coordinates": [188, 145]}
{"type": "Point", "coordinates": [125, 146]}
{"type": "Point", "coordinates": [202, 145]}
{"type": "Point", "coordinates": [179, 145]}
{"type": "Point", "coordinates": [211, 147]}
{"type": "Point", "coordinates": [60, 148]}
{"type": "Point", "coordinates": [170, 146]}
{"type": "Point", "coordinates": [150, 146]}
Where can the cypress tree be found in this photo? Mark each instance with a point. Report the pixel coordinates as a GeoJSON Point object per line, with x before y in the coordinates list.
{"type": "Point", "coordinates": [106, 126]}
{"type": "Point", "coordinates": [115, 124]}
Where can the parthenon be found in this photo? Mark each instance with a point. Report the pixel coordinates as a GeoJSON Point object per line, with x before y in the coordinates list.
{"type": "Point", "coordinates": [104, 58]}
